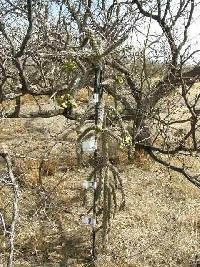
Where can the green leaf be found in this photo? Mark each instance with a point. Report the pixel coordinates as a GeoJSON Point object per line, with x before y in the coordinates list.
{"type": "Point", "coordinates": [118, 79]}
{"type": "Point", "coordinates": [69, 66]}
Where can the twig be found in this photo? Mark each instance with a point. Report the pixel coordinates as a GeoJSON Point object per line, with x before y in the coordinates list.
{"type": "Point", "coordinates": [4, 153]}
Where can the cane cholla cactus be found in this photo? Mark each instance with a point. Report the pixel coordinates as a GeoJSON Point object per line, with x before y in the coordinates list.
{"type": "Point", "coordinates": [109, 183]}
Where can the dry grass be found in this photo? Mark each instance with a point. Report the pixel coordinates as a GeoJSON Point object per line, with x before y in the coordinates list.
{"type": "Point", "coordinates": [160, 226]}
{"type": "Point", "coordinates": [154, 231]}
{"type": "Point", "coordinates": [83, 95]}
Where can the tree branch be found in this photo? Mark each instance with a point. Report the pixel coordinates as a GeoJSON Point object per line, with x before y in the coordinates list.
{"type": "Point", "coordinates": [4, 153]}
{"type": "Point", "coordinates": [191, 178]}
{"type": "Point", "coordinates": [29, 30]}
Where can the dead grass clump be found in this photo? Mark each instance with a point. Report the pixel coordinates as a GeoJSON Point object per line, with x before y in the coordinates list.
{"type": "Point", "coordinates": [17, 127]}
{"type": "Point", "coordinates": [48, 167]}
{"type": "Point", "coordinates": [109, 100]}
{"type": "Point", "coordinates": [83, 95]}
{"type": "Point", "coordinates": [141, 159]}
{"type": "Point", "coordinates": [26, 171]}
{"type": "Point", "coordinates": [70, 161]}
